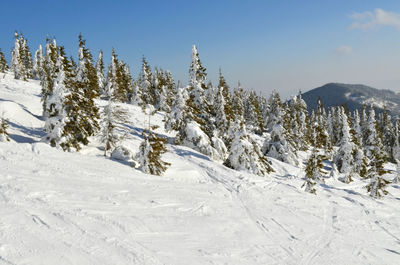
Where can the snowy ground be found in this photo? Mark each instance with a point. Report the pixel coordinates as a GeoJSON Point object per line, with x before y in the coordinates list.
{"type": "Point", "coordinates": [80, 208]}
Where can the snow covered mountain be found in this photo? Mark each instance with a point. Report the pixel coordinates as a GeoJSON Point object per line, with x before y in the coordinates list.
{"type": "Point", "coordinates": [354, 96]}
{"type": "Point", "coordinates": [81, 208]}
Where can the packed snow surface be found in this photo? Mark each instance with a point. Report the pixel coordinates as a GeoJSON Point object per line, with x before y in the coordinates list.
{"type": "Point", "coordinates": [81, 208]}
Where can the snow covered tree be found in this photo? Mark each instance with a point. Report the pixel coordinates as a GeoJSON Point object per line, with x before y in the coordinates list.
{"type": "Point", "coordinates": [387, 131]}
{"type": "Point", "coordinates": [237, 102]}
{"type": "Point", "coordinates": [72, 115]}
{"type": "Point", "coordinates": [314, 172]}
{"type": "Point", "coordinates": [170, 85]}
{"type": "Point", "coordinates": [113, 117]}
{"type": "Point", "coordinates": [373, 140]}
{"type": "Point", "coordinates": [3, 130]}
{"type": "Point", "coordinates": [344, 158]}
{"type": "Point", "coordinates": [137, 95]}
{"type": "Point", "coordinates": [197, 126]}
{"type": "Point", "coordinates": [364, 123]}
{"type": "Point", "coordinates": [145, 83]}
{"type": "Point", "coordinates": [299, 122]}
{"type": "Point", "coordinates": [280, 145]}
{"type": "Point", "coordinates": [49, 74]}
{"type": "Point", "coordinates": [396, 144]}
{"type": "Point", "coordinates": [227, 97]}
{"type": "Point", "coordinates": [86, 82]}
{"type": "Point", "coordinates": [86, 72]}
{"type": "Point", "coordinates": [124, 83]}
{"type": "Point", "coordinates": [221, 120]}
{"type": "Point", "coordinates": [100, 73]}
{"type": "Point", "coordinates": [197, 102]}
{"type": "Point", "coordinates": [38, 63]}
{"type": "Point", "coordinates": [176, 117]}
{"type": "Point", "coordinates": [112, 83]}
{"type": "Point", "coordinates": [378, 183]}
{"type": "Point", "coordinates": [319, 125]}
{"type": "Point", "coordinates": [3, 63]}
{"type": "Point", "coordinates": [149, 155]}
{"type": "Point", "coordinates": [377, 157]}
{"type": "Point", "coordinates": [357, 128]}
{"type": "Point", "coordinates": [21, 62]}
{"type": "Point", "coordinates": [253, 113]}
{"type": "Point", "coordinates": [161, 91]}
{"type": "Point", "coordinates": [245, 154]}
{"type": "Point", "coordinates": [55, 107]}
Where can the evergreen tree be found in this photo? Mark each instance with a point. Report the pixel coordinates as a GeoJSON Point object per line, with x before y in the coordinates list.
{"type": "Point", "coordinates": [170, 85]}
{"type": "Point", "coordinates": [280, 145]}
{"type": "Point", "coordinates": [253, 113]}
{"type": "Point", "coordinates": [299, 122]}
{"type": "Point", "coordinates": [198, 124]}
{"type": "Point", "coordinates": [319, 125]}
{"type": "Point", "coordinates": [344, 158]}
{"type": "Point", "coordinates": [21, 62]}
{"type": "Point", "coordinates": [377, 185]}
{"type": "Point", "coordinates": [237, 102]}
{"type": "Point", "coordinates": [145, 82]}
{"type": "Point", "coordinates": [330, 124]}
{"type": "Point", "coordinates": [396, 144]}
{"type": "Point", "coordinates": [245, 154]}
{"type": "Point", "coordinates": [49, 74]}
{"type": "Point", "coordinates": [38, 64]}
{"type": "Point", "coordinates": [57, 117]}
{"type": "Point", "coordinates": [87, 83]}
{"type": "Point", "coordinates": [112, 82]}
{"type": "Point", "coordinates": [100, 73]}
{"type": "Point", "coordinates": [175, 119]}
{"type": "Point", "coordinates": [377, 157]}
{"type": "Point", "coordinates": [124, 83]}
{"type": "Point", "coordinates": [373, 141]}
{"type": "Point", "coordinates": [111, 126]}
{"type": "Point", "coordinates": [3, 63]}
{"type": "Point", "coordinates": [137, 95]}
{"type": "Point", "coordinates": [314, 172]}
{"type": "Point", "coordinates": [3, 130]}
{"type": "Point", "coordinates": [222, 123]}
{"type": "Point", "coordinates": [387, 132]}
{"type": "Point", "coordinates": [357, 128]}
{"type": "Point", "coordinates": [227, 98]}
{"type": "Point", "coordinates": [150, 151]}
{"type": "Point", "coordinates": [364, 123]}
{"type": "Point", "coordinates": [161, 91]}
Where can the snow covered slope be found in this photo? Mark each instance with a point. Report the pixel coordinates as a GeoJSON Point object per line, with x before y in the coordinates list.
{"type": "Point", "coordinates": [81, 208]}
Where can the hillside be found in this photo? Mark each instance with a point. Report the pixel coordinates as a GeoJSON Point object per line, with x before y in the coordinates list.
{"type": "Point", "coordinates": [82, 208]}
{"type": "Point", "coordinates": [354, 96]}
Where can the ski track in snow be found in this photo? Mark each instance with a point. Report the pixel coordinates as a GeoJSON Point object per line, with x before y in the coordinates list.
{"type": "Point", "coordinates": [80, 208]}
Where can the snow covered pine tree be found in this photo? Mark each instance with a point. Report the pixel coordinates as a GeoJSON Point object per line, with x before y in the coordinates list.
{"type": "Point", "coordinates": [150, 151]}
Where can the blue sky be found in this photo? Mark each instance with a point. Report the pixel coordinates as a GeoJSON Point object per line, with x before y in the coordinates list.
{"type": "Point", "coordinates": [267, 45]}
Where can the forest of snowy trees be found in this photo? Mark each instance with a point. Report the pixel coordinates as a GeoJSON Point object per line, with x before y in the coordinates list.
{"type": "Point", "coordinates": [222, 123]}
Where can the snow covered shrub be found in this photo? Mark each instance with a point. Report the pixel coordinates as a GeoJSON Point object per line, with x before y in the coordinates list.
{"type": "Point", "coordinates": [122, 153]}
{"type": "Point", "coordinates": [3, 130]}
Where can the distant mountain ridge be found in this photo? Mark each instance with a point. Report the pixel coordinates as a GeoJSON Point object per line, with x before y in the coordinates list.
{"type": "Point", "coordinates": [354, 96]}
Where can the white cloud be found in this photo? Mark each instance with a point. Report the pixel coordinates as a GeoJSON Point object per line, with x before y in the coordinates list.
{"type": "Point", "coordinates": [343, 50]}
{"type": "Point", "coordinates": [373, 20]}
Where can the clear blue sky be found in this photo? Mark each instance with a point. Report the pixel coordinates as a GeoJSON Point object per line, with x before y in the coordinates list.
{"type": "Point", "coordinates": [282, 45]}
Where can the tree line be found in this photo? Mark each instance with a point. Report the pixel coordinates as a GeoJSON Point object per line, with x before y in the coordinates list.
{"type": "Point", "coordinates": [238, 127]}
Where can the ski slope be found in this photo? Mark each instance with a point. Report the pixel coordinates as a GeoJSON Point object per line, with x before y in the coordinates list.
{"type": "Point", "coordinates": [81, 208]}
